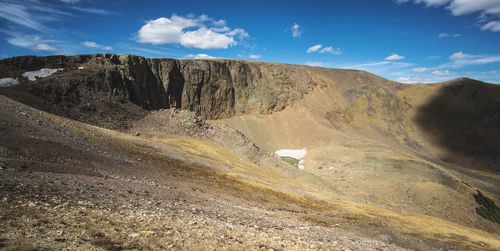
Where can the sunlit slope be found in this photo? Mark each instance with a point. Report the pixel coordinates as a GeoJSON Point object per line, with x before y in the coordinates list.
{"type": "Point", "coordinates": [284, 189]}
{"type": "Point", "coordinates": [362, 137]}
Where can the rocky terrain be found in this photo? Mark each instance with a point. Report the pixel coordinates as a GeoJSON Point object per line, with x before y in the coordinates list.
{"type": "Point", "coordinates": [123, 152]}
{"type": "Point", "coordinates": [213, 89]}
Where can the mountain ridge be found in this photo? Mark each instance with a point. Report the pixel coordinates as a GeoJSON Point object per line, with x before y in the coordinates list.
{"type": "Point", "coordinates": [9, 60]}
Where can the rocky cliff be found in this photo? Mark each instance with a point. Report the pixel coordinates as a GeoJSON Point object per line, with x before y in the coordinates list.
{"type": "Point", "coordinates": [212, 88]}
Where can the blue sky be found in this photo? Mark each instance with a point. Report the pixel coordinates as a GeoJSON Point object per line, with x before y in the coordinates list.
{"type": "Point", "coordinates": [405, 40]}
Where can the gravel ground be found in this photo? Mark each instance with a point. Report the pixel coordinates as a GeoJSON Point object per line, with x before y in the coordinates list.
{"type": "Point", "coordinates": [61, 191]}
{"type": "Point", "coordinates": [59, 211]}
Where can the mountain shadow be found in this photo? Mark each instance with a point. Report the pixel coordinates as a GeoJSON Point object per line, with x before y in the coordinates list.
{"type": "Point", "coordinates": [464, 119]}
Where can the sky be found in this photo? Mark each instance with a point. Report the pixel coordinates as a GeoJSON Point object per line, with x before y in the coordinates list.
{"type": "Point", "coordinates": [409, 41]}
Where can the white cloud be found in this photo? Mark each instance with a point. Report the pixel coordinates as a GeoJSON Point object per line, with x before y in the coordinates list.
{"type": "Point", "coordinates": [331, 50]}
{"type": "Point", "coordinates": [402, 1]}
{"type": "Point", "coordinates": [407, 73]}
{"type": "Point", "coordinates": [410, 80]}
{"type": "Point", "coordinates": [219, 23]}
{"type": "Point", "coordinates": [44, 47]}
{"type": "Point", "coordinates": [22, 15]}
{"type": "Point", "coordinates": [383, 68]}
{"type": "Point", "coordinates": [32, 42]}
{"type": "Point", "coordinates": [368, 66]}
{"type": "Point", "coordinates": [423, 79]}
{"type": "Point", "coordinates": [457, 55]}
{"type": "Point", "coordinates": [428, 3]}
{"type": "Point", "coordinates": [165, 30]}
{"type": "Point", "coordinates": [238, 32]}
{"type": "Point", "coordinates": [443, 35]}
{"type": "Point", "coordinates": [465, 7]}
{"type": "Point", "coordinates": [40, 17]}
{"type": "Point", "coordinates": [221, 29]}
{"type": "Point", "coordinates": [254, 56]}
{"type": "Point", "coordinates": [296, 31]}
{"type": "Point", "coordinates": [432, 3]}
{"type": "Point", "coordinates": [204, 38]}
{"type": "Point", "coordinates": [394, 57]}
{"type": "Point", "coordinates": [200, 56]}
{"type": "Point", "coordinates": [423, 75]}
{"type": "Point", "coordinates": [43, 19]}
{"type": "Point", "coordinates": [314, 48]}
{"type": "Point", "coordinates": [250, 56]}
{"type": "Point", "coordinates": [441, 73]}
{"type": "Point", "coordinates": [461, 59]}
{"type": "Point", "coordinates": [388, 69]}
{"type": "Point", "coordinates": [190, 32]}
{"type": "Point", "coordinates": [92, 44]}
{"type": "Point", "coordinates": [149, 52]}
{"type": "Point", "coordinates": [492, 26]}
{"type": "Point", "coordinates": [446, 35]}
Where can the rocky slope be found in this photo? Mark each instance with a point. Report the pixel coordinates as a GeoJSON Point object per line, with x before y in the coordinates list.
{"type": "Point", "coordinates": [393, 156]}
{"type": "Point", "coordinates": [60, 189]}
{"type": "Point", "coordinates": [66, 184]}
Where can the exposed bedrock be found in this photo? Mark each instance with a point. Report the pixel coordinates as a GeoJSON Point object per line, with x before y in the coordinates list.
{"type": "Point", "coordinates": [212, 88]}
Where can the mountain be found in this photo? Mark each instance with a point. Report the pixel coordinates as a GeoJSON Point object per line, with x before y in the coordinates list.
{"type": "Point", "coordinates": [386, 165]}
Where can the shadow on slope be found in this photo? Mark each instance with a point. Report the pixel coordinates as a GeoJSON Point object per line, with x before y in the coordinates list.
{"type": "Point", "coordinates": [464, 119]}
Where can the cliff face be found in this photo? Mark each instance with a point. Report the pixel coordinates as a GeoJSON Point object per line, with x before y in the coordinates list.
{"type": "Point", "coordinates": [212, 88]}
{"type": "Point", "coordinates": [223, 88]}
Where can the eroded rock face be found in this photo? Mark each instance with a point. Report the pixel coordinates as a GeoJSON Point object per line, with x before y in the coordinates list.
{"type": "Point", "coordinates": [223, 88]}
{"type": "Point", "coordinates": [212, 88]}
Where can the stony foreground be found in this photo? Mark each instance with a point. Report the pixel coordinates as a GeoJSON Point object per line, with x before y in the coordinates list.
{"type": "Point", "coordinates": [60, 211]}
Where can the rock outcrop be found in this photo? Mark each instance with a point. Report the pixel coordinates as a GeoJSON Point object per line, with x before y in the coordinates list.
{"type": "Point", "coordinates": [212, 88]}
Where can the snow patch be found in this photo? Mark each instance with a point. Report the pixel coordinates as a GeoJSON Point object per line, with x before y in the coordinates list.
{"type": "Point", "coordinates": [4, 82]}
{"type": "Point", "coordinates": [299, 154]}
{"type": "Point", "coordinates": [42, 73]}
{"type": "Point", "coordinates": [294, 153]}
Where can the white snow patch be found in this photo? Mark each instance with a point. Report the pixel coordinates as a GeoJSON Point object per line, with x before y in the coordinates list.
{"type": "Point", "coordinates": [299, 154]}
{"type": "Point", "coordinates": [7, 82]}
{"type": "Point", "coordinates": [42, 73]}
{"type": "Point", "coordinates": [294, 153]}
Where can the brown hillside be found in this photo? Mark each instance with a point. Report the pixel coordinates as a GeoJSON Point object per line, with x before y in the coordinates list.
{"type": "Point", "coordinates": [412, 162]}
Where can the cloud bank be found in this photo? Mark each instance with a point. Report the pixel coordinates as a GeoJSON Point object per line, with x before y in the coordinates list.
{"type": "Point", "coordinates": [200, 32]}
